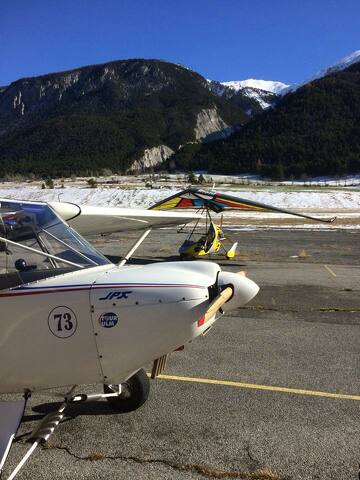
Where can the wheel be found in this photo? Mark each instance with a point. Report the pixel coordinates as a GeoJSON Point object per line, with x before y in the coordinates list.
{"type": "Point", "coordinates": [134, 393]}
{"type": "Point", "coordinates": [186, 257]}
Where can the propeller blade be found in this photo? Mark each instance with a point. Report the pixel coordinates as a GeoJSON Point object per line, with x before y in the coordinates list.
{"type": "Point", "coordinates": [218, 302]}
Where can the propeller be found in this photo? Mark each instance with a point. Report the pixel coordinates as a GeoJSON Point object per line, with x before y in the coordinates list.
{"type": "Point", "coordinates": [216, 304]}
{"type": "Point", "coordinates": [237, 291]}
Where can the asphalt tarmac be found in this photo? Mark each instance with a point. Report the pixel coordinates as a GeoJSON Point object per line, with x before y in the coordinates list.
{"type": "Point", "coordinates": [272, 391]}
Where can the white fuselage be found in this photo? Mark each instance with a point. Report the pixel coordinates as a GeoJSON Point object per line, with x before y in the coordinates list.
{"type": "Point", "coordinates": [97, 323]}
{"type": "Point", "coordinates": [102, 324]}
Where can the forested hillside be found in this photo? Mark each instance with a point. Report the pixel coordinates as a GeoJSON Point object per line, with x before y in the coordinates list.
{"type": "Point", "coordinates": [105, 116]}
{"type": "Point", "coordinates": [143, 114]}
{"type": "Point", "coordinates": [314, 130]}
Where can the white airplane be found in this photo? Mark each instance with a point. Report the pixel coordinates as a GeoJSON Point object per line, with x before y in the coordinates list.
{"type": "Point", "coordinates": [69, 316]}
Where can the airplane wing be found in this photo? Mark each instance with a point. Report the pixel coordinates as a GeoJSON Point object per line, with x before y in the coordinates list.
{"type": "Point", "coordinates": [218, 202]}
{"type": "Point", "coordinates": [88, 220]}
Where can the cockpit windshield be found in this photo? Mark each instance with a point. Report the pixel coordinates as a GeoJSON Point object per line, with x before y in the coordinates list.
{"type": "Point", "coordinates": [39, 244]}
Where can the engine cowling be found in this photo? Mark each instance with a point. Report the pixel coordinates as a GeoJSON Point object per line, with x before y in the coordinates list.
{"type": "Point", "coordinates": [244, 289]}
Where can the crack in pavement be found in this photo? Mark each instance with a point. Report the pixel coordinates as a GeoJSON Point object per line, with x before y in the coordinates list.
{"type": "Point", "coordinates": [255, 463]}
{"type": "Point", "coordinates": [264, 307]}
{"type": "Point", "coordinates": [292, 310]}
{"type": "Point", "coordinates": [338, 309]}
{"type": "Point", "coordinates": [210, 472]}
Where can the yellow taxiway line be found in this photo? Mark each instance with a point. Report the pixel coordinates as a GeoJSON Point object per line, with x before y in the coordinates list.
{"type": "Point", "coordinates": [330, 270]}
{"type": "Point", "coordinates": [254, 386]}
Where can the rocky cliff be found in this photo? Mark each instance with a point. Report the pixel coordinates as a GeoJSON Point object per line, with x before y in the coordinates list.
{"type": "Point", "coordinates": [108, 116]}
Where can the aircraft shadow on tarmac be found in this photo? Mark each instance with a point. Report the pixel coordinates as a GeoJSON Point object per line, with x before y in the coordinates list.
{"type": "Point", "coordinates": [172, 258]}
{"type": "Point", "coordinates": [143, 261]}
{"type": "Point", "coordinates": [73, 410]}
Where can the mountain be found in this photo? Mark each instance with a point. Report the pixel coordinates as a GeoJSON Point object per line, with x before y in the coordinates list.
{"type": "Point", "coordinates": [342, 64]}
{"type": "Point", "coordinates": [141, 114]}
{"type": "Point", "coordinates": [264, 85]}
{"type": "Point", "coordinates": [313, 130]}
{"type": "Point", "coordinates": [250, 99]}
{"type": "Point", "coordinates": [119, 115]}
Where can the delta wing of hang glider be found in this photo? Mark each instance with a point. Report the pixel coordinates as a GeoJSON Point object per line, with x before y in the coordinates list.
{"type": "Point", "coordinates": [204, 201]}
{"type": "Point", "coordinates": [69, 317]}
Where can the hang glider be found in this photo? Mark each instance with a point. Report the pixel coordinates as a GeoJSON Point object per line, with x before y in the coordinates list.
{"type": "Point", "coordinates": [218, 202]}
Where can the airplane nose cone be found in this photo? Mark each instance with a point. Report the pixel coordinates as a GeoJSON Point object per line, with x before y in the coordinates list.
{"type": "Point", "coordinates": [244, 289]}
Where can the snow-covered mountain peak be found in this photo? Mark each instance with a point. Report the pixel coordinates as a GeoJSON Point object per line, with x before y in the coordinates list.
{"type": "Point", "coordinates": [345, 62]}
{"type": "Point", "coordinates": [247, 95]}
{"type": "Point", "coordinates": [266, 85]}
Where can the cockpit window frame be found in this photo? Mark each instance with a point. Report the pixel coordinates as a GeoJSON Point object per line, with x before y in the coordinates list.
{"type": "Point", "coordinates": [31, 222]}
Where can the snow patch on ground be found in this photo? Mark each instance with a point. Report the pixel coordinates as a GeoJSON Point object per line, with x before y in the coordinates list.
{"type": "Point", "coordinates": [144, 198]}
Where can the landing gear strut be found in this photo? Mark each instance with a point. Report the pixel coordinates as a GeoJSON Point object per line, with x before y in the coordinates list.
{"type": "Point", "coordinates": [134, 393]}
{"type": "Point", "coordinates": [126, 397]}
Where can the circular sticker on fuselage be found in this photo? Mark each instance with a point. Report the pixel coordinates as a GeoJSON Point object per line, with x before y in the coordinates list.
{"type": "Point", "coordinates": [108, 320]}
{"type": "Point", "coordinates": [62, 322]}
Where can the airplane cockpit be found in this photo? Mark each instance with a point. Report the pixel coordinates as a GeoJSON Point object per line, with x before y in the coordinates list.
{"type": "Point", "coordinates": [35, 244]}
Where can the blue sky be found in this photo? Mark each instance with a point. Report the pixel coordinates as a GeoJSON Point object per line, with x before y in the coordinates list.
{"type": "Point", "coordinates": [286, 40]}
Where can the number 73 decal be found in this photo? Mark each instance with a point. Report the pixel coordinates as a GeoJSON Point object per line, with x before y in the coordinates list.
{"type": "Point", "coordinates": [62, 322]}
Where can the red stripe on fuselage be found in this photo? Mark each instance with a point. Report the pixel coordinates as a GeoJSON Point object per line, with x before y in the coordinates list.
{"type": "Point", "coordinates": [98, 287]}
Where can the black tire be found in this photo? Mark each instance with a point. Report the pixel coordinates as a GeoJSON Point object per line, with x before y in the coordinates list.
{"type": "Point", "coordinates": [186, 258]}
{"type": "Point", "coordinates": [135, 392]}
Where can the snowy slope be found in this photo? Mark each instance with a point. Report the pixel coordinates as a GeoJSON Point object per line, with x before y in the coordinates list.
{"type": "Point", "coordinates": [237, 93]}
{"type": "Point", "coordinates": [144, 198]}
{"type": "Point", "coordinates": [345, 62]}
{"type": "Point", "coordinates": [280, 88]}
{"type": "Point", "coordinates": [266, 85]}
{"type": "Point", "coordinates": [255, 94]}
